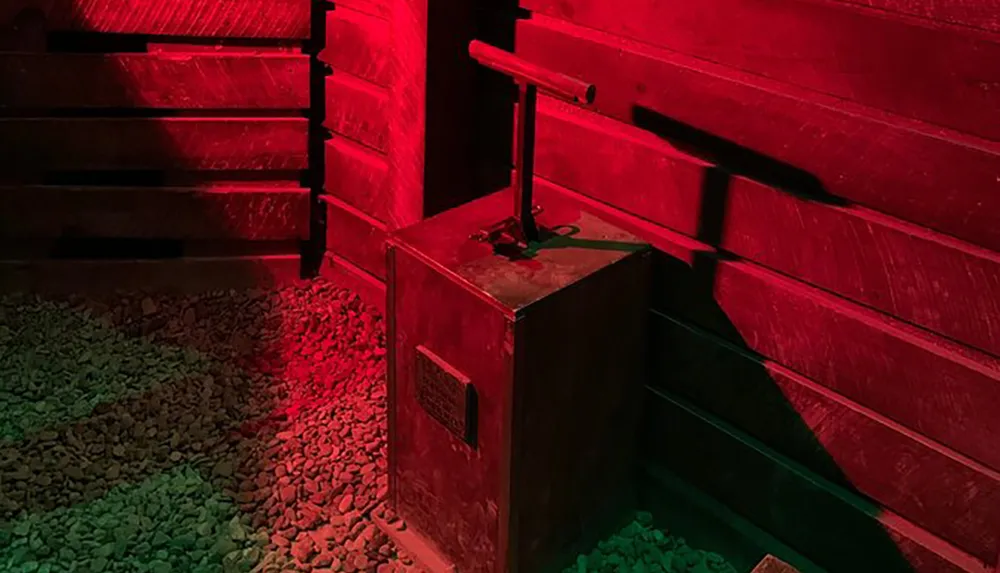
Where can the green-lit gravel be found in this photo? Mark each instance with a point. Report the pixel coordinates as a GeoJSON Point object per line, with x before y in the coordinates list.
{"type": "Point", "coordinates": [224, 432]}
{"type": "Point", "coordinates": [58, 363]}
{"type": "Point", "coordinates": [228, 431]}
{"type": "Point", "coordinates": [173, 522]}
{"type": "Point", "coordinates": [640, 548]}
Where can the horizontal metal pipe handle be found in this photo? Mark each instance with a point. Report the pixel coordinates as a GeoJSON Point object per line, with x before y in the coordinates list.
{"type": "Point", "coordinates": [548, 81]}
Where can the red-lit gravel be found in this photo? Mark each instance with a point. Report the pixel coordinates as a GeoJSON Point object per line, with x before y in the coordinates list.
{"type": "Point", "coordinates": [228, 432]}
{"type": "Point", "coordinates": [277, 398]}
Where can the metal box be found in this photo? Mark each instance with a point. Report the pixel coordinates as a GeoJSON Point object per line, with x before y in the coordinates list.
{"type": "Point", "coordinates": [514, 384]}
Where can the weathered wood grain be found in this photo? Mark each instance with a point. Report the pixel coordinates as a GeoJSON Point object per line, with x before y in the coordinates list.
{"type": "Point", "coordinates": [983, 14]}
{"type": "Point", "coordinates": [854, 154]}
{"type": "Point", "coordinates": [941, 76]}
{"type": "Point", "coordinates": [837, 530]}
{"type": "Point", "coordinates": [405, 116]}
{"type": "Point", "coordinates": [857, 353]}
{"type": "Point", "coordinates": [345, 274]}
{"type": "Point", "coordinates": [923, 277]}
{"type": "Point", "coordinates": [256, 214]}
{"type": "Point", "coordinates": [938, 388]}
{"type": "Point", "coordinates": [357, 109]}
{"type": "Point", "coordinates": [193, 274]}
{"type": "Point", "coordinates": [358, 44]}
{"type": "Point", "coordinates": [233, 18]}
{"type": "Point", "coordinates": [356, 237]}
{"type": "Point", "coordinates": [172, 143]}
{"type": "Point", "coordinates": [174, 81]}
{"type": "Point", "coordinates": [380, 8]}
{"type": "Point", "coordinates": [223, 46]}
{"type": "Point", "coordinates": [357, 175]}
{"type": "Point", "coordinates": [947, 494]}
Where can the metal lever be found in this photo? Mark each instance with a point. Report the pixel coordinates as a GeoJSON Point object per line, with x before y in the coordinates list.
{"type": "Point", "coordinates": [520, 228]}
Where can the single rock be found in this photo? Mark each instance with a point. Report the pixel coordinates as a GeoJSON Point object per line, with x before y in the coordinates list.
{"type": "Point", "coordinates": [149, 306]}
{"type": "Point", "coordinates": [223, 469]}
{"type": "Point", "coordinates": [346, 503]}
{"type": "Point", "coordinates": [287, 493]}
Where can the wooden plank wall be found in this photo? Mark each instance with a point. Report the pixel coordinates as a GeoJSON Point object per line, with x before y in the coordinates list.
{"type": "Point", "coordinates": [359, 203]}
{"type": "Point", "coordinates": [163, 138]}
{"type": "Point", "coordinates": [822, 182]}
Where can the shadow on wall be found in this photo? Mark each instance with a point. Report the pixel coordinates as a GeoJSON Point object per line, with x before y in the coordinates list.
{"type": "Point", "coordinates": [122, 387]}
{"type": "Point", "coordinates": [728, 381]}
{"type": "Point", "coordinates": [737, 388]}
{"type": "Point", "coordinates": [124, 164]}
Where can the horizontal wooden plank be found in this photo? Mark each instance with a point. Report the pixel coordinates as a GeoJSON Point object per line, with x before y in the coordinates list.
{"type": "Point", "coordinates": [380, 8]}
{"type": "Point", "coordinates": [984, 14]}
{"type": "Point", "coordinates": [258, 214]}
{"type": "Point", "coordinates": [168, 80]}
{"type": "Point", "coordinates": [213, 144]}
{"type": "Point", "coordinates": [356, 237]}
{"type": "Point", "coordinates": [940, 389]}
{"type": "Point", "coordinates": [358, 44]}
{"type": "Point", "coordinates": [347, 275]}
{"type": "Point", "coordinates": [357, 109]}
{"type": "Point", "coordinates": [194, 274]}
{"type": "Point", "coordinates": [938, 75]}
{"type": "Point", "coordinates": [219, 46]}
{"type": "Point", "coordinates": [683, 509]}
{"type": "Point", "coordinates": [203, 18]}
{"type": "Point", "coordinates": [811, 515]}
{"type": "Point", "coordinates": [932, 280]}
{"type": "Point", "coordinates": [930, 180]}
{"type": "Point", "coordinates": [953, 497]}
{"type": "Point", "coordinates": [357, 175]}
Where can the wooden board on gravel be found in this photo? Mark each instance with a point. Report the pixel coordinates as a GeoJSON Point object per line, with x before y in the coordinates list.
{"type": "Point", "coordinates": [206, 81]}
{"type": "Point", "coordinates": [772, 564]}
{"type": "Point", "coordinates": [426, 558]}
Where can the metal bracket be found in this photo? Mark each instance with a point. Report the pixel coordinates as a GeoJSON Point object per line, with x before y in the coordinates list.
{"type": "Point", "coordinates": [520, 228]}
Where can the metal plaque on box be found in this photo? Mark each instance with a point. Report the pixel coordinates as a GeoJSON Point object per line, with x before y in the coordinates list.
{"type": "Point", "coordinates": [446, 394]}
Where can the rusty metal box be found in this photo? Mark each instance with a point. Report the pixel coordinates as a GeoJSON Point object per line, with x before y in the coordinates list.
{"type": "Point", "coordinates": [514, 384]}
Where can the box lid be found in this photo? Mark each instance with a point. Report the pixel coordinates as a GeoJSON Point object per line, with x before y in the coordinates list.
{"type": "Point", "coordinates": [576, 243]}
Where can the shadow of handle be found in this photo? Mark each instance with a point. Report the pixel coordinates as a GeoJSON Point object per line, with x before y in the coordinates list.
{"type": "Point", "coordinates": [562, 237]}
{"type": "Point", "coordinates": [733, 158]}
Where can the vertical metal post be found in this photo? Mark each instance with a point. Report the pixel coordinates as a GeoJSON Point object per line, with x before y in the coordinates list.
{"type": "Point", "coordinates": [521, 228]}
{"type": "Point", "coordinates": [524, 160]}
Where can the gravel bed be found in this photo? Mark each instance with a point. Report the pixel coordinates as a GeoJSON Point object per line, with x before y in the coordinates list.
{"type": "Point", "coordinates": [231, 431]}
{"type": "Point", "coordinates": [640, 548]}
{"type": "Point", "coordinates": [226, 432]}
